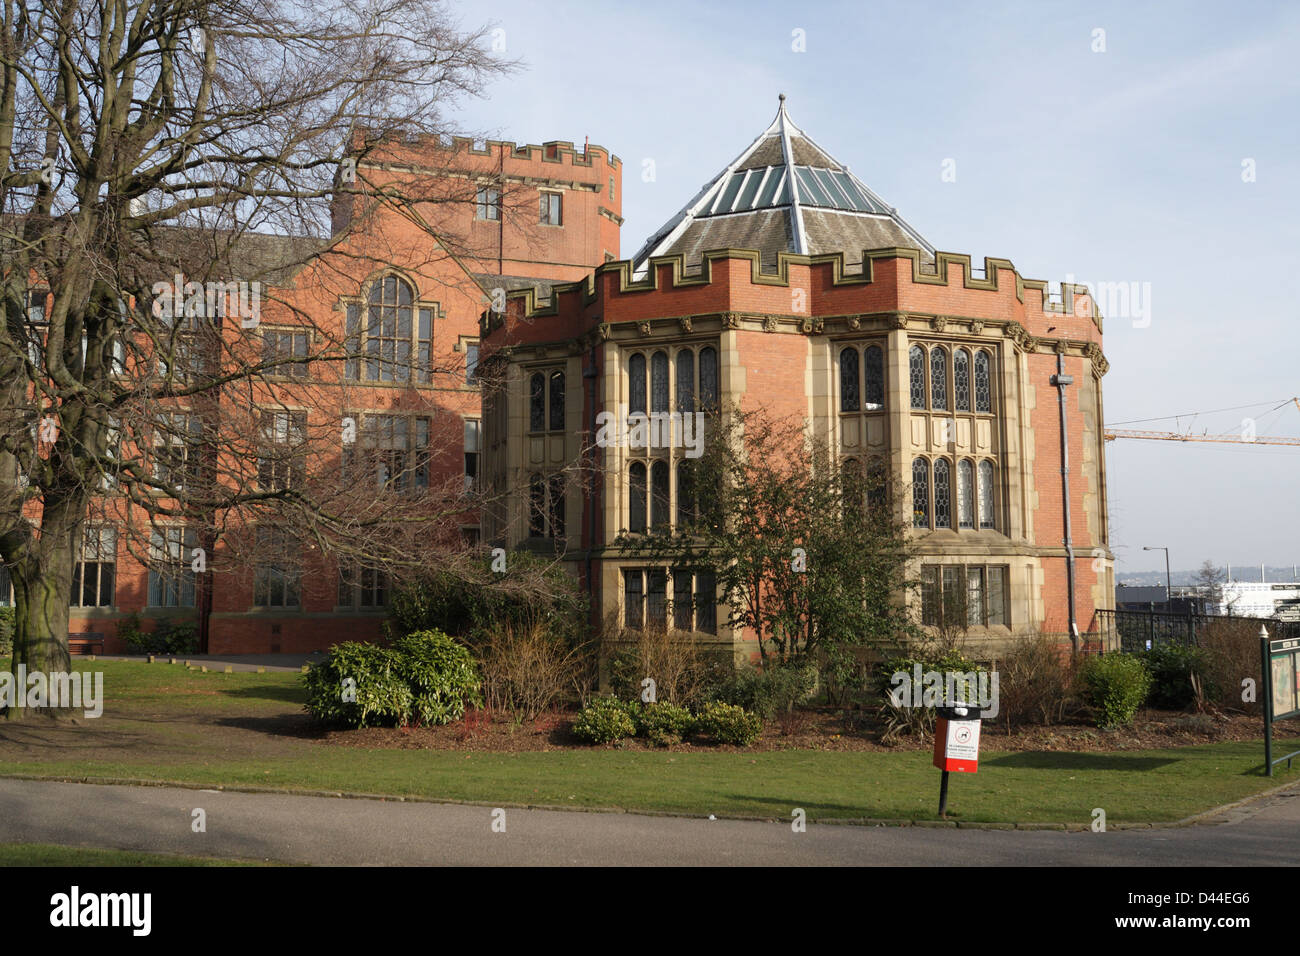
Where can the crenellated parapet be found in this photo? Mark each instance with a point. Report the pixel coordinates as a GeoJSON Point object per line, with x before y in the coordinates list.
{"type": "Point", "coordinates": [894, 288]}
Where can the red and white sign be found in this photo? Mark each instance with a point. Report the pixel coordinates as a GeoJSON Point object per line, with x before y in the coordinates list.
{"type": "Point", "coordinates": [957, 745]}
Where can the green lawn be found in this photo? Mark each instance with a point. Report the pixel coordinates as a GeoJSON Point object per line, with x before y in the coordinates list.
{"type": "Point", "coordinates": [162, 723]}
{"type": "Point", "coordinates": [44, 854]}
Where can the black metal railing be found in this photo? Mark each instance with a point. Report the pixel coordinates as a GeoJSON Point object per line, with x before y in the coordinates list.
{"type": "Point", "coordinates": [1133, 631]}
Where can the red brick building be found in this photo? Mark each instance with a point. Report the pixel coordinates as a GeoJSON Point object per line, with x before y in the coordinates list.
{"type": "Point", "coordinates": [400, 286]}
{"type": "Point", "coordinates": [787, 284]}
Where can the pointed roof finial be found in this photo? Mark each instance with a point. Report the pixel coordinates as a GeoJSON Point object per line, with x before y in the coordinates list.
{"type": "Point", "coordinates": [781, 97]}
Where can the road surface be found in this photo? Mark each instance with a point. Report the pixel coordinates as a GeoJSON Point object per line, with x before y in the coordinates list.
{"type": "Point", "coordinates": [325, 830]}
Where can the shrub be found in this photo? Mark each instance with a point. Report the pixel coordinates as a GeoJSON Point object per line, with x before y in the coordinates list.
{"type": "Point", "coordinates": [1172, 667]}
{"type": "Point", "coordinates": [167, 637]}
{"type": "Point", "coordinates": [381, 696]}
{"type": "Point", "coordinates": [534, 591]}
{"type": "Point", "coordinates": [426, 676]}
{"type": "Point", "coordinates": [1116, 685]}
{"type": "Point", "coordinates": [728, 724]}
{"type": "Point", "coordinates": [440, 674]}
{"type": "Point", "coordinates": [526, 669]}
{"type": "Point", "coordinates": [1230, 652]}
{"type": "Point", "coordinates": [6, 631]}
{"type": "Point", "coordinates": [910, 718]}
{"type": "Point", "coordinates": [1035, 682]}
{"type": "Point", "coordinates": [663, 723]}
{"type": "Point", "coordinates": [684, 672]}
{"type": "Point", "coordinates": [604, 720]}
{"type": "Point", "coordinates": [773, 690]}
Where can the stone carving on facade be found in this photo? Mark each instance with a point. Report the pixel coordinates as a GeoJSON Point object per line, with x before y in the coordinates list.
{"type": "Point", "coordinates": [731, 320]}
{"type": "Point", "coordinates": [854, 323]}
{"type": "Point", "coordinates": [769, 323]}
{"type": "Point", "coordinates": [938, 323]}
{"type": "Point", "coordinates": [685, 323]}
{"type": "Point", "coordinates": [644, 328]}
{"type": "Point", "coordinates": [976, 326]}
{"type": "Point", "coordinates": [899, 320]}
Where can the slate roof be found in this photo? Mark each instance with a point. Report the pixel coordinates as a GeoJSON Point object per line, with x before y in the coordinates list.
{"type": "Point", "coordinates": [782, 193]}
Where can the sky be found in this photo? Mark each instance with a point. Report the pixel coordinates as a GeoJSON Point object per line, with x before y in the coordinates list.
{"type": "Point", "coordinates": [1154, 145]}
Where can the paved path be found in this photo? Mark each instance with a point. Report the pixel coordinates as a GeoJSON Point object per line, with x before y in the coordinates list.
{"type": "Point", "coordinates": [326, 830]}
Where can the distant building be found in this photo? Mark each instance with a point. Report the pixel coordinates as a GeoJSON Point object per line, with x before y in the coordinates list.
{"type": "Point", "coordinates": [1252, 599]}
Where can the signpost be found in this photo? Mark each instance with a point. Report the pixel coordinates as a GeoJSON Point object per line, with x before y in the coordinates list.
{"type": "Point", "coordinates": [956, 745]}
{"type": "Point", "coordinates": [1280, 664]}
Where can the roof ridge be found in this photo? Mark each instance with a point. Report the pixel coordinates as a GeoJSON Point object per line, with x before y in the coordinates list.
{"type": "Point", "coordinates": [819, 182]}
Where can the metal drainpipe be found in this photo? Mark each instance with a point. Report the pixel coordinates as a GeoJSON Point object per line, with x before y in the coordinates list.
{"type": "Point", "coordinates": [1060, 380]}
{"type": "Point", "coordinates": [591, 374]}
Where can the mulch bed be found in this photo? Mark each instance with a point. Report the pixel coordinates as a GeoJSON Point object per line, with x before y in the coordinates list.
{"type": "Point", "coordinates": [830, 730]}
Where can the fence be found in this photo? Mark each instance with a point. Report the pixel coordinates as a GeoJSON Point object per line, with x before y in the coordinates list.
{"type": "Point", "coordinates": [1133, 631]}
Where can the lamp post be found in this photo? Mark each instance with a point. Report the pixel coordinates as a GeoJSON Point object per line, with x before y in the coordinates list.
{"type": "Point", "coordinates": [1169, 590]}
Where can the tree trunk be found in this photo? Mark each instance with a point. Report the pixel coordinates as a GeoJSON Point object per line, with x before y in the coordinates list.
{"type": "Point", "coordinates": [41, 601]}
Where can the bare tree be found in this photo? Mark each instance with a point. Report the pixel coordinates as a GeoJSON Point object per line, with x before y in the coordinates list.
{"type": "Point", "coordinates": [147, 153]}
{"type": "Point", "coordinates": [1209, 583]}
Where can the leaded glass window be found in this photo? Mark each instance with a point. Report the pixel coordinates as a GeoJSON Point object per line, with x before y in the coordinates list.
{"type": "Point", "coordinates": [708, 378]}
{"type": "Point", "coordinates": [659, 382]}
{"type": "Point", "coordinates": [555, 509]}
{"type": "Point", "coordinates": [997, 593]}
{"type": "Point", "coordinates": [682, 603]}
{"type": "Point", "coordinates": [686, 381]}
{"type": "Point", "coordinates": [942, 494]}
{"type": "Point", "coordinates": [536, 507]}
{"type": "Point", "coordinates": [633, 598]}
{"type": "Point", "coordinates": [388, 332]}
{"type": "Point", "coordinates": [987, 517]}
{"type": "Point", "coordinates": [920, 493]}
{"type": "Point", "coordinates": [659, 514]}
{"type": "Point", "coordinates": [961, 379]}
{"type": "Point", "coordinates": [636, 518]}
{"type": "Point", "coordinates": [983, 383]}
{"type": "Point", "coordinates": [686, 505]}
{"type": "Point", "coordinates": [938, 378]}
{"type": "Point", "coordinates": [875, 372]}
{"type": "Point", "coordinates": [537, 402]}
{"type": "Point", "coordinates": [965, 494]}
{"type": "Point", "coordinates": [849, 380]}
{"type": "Point", "coordinates": [636, 383]}
{"type": "Point", "coordinates": [916, 363]}
{"type": "Point", "coordinates": [656, 599]}
{"type": "Point", "coordinates": [975, 597]}
{"type": "Point", "coordinates": [557, 401]}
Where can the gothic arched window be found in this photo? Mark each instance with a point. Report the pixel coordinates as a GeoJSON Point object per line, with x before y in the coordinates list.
{"type": "Point", "coordinates": [875, 372]}
{"type": "Point", "coordinates": [636, 383]}
{"type": "Point", "coordinates": [961, 379]}
{"type": "Point", "coordinates": [659, 382]}
{"type": "Point", "coordinates": [942, 494]}
{"type": "Point", "coordinates": [988, 518]}
{"type": "Point", "coordinates": [965, 494]}
{"type": "Point", "coordinates": [920, 493]}
{"type": "Point", "coordinates": [916, 364]}
{"type": "Point", "coordinates": [849, 380]}
{"type": "Point", "coordinates": [636, 489]}
{"type": "Point", "coordinates": [983, 383]}
{"type": "Point", "coordinates": [938, 378]}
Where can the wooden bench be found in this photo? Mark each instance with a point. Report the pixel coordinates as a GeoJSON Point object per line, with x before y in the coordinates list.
{"type": "Point", "coordinates": [82, 644]}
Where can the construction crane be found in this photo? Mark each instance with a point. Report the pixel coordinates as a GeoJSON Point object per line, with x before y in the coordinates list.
{"type": "Point", "coordinates": [1111, 434]}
